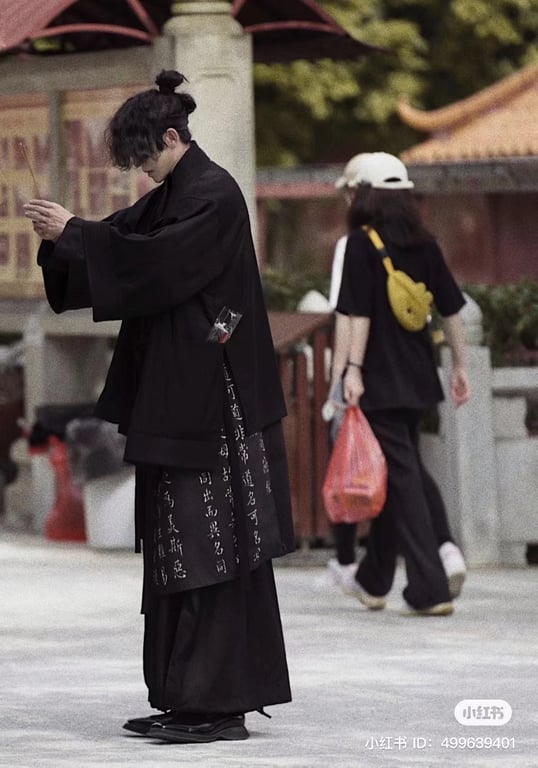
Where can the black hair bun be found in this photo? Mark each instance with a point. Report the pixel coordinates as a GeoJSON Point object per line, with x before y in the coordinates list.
{"type": "Point", "coordinates": [189, 105]}
{"type": "Point", "coordinates": [169, 80]}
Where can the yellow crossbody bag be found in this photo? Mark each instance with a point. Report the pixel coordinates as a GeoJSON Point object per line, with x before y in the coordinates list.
{"type": "Point", "coordinates": [410, 302]}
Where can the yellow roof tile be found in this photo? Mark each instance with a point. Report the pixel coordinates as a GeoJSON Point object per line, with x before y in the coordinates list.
{"type": "Point", "coordinates": [500, 121]}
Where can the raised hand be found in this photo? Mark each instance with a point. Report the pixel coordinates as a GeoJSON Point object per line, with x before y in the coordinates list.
{"type": "Point", "coordinates": [48, 218]}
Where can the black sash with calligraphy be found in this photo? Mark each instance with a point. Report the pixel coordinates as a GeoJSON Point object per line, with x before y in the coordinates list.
{"type": "Point", "coordinates": [192, 527]}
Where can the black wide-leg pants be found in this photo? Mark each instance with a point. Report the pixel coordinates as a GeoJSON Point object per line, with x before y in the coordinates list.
{"type": "Point", "coordinates": [218, 649]}
{"type": "Point", "coordinates": [405, 525]}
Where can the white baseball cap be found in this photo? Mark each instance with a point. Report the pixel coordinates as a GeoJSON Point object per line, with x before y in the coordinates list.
{"type": "Point", "coordinates": [381, 171]}
{"type": "Point", "coordinates": [351, 170]}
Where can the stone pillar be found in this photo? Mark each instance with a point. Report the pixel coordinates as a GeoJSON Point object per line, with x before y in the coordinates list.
{"type": "Point", "coordinates": [471, 462]}
{"type": "Point", "coordinates": [210, 48]}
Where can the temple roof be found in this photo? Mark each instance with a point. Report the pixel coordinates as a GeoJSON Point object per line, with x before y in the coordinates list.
{"type": "Point", "coordinates": [498, 122]}
{"type": "Point", "coordinates": [282, 30]}
{"type": "Point", "coordinates": [26, 25]}
{"type": "Point", "coordinates": [285, 30]}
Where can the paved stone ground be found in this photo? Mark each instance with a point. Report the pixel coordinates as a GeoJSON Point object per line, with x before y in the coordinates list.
{"type": "Point", "coordinates": [362, 681]}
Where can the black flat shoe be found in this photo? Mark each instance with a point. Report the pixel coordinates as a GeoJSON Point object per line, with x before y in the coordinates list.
{"type": "Point", "coordinates": [228, 728]}
{"type": "Point", "coordinates": [141, 725]}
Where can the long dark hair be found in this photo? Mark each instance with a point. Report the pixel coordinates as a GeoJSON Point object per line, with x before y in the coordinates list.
{"type": "Point", "coordinates": [392, 210]}
{"type": "Point", "coordinates": [135, 133]}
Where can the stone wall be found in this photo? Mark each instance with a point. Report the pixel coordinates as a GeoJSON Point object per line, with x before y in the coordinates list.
{"type": "Point", "coordinates": [486, 463]}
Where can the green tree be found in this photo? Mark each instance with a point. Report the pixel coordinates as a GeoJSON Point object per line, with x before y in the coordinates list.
{"type": "Point", "coordinates": [436, 52]}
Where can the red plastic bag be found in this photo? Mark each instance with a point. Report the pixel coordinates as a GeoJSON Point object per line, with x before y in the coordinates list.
{"type": "Point", "coordinates": [355, 485]}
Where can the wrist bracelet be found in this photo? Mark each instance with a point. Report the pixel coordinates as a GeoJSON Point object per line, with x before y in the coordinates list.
{"type": "Point", "coordinates": [355, 365]}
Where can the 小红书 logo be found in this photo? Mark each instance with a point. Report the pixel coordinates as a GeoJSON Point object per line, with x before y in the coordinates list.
{"type": "Point", "coordinates": [478, 712]}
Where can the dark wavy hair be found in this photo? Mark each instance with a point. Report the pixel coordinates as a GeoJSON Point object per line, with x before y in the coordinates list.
{"type": "Point", "coordinates": [135, 133]}
{"type": "Point", "coordinates": [393, 210]}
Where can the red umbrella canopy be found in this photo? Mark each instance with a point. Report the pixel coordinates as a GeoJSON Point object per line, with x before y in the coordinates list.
{"type": "Point", "coordinates": [282, 30]}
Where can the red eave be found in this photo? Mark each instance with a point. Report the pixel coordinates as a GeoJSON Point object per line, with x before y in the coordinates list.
{"type": "Point", "coordinates": [295, 190]}
{"type": "Point", "coordinates": [21, 19]}
{"type": "Point", "coordinates": [277, 13]}
{"type": "Point", "coordinates": [309, 26]}
{"type": "Point", "coordinates": [114, 29]}
{"type": "Point", "coordinates": [282, 29]}
{"type": "Point", "coordinates": [27, 19]}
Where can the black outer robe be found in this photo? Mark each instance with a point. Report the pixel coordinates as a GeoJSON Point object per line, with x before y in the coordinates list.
{"type": "Point", "coordinates": [166, 266]}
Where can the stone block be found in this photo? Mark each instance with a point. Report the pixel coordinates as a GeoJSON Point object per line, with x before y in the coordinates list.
{"type": "Point", "coordinates": [509, 417]}
{"type": "Point", "coordinates": [517, 486]}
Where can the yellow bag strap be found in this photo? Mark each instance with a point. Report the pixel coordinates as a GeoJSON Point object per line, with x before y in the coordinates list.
{"type": "Point", "coordinates": [379, 245]}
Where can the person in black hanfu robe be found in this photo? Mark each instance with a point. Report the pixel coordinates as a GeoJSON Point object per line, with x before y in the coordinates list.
{"type": "Point", "coordinates": [202, 419]}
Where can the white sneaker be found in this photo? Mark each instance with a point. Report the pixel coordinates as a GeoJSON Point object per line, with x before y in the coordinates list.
{"type": "Point", "coordinates": [343, 575]}
{"type": "Point", "coordinates": [454, 566]}
{"type": "Point", "coordinates": [440, 609]}
{"type": "Point", "coordinates": [372, 602]}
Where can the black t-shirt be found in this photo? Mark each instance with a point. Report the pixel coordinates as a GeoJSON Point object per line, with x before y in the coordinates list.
{"type": "Point", "coordinates": [399, 369]}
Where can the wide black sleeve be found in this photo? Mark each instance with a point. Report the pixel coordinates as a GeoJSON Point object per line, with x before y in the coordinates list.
{"type": "Point", "coordinates": [65, 274]}
{"type": "Point", "coordinates": [357, 289]}
{"type": "Point", "coordinates": [447, 295]}
{"type": "Point", "coordinates": [132, 275]}
{"type": "Point", "coordinates": [64, 270]}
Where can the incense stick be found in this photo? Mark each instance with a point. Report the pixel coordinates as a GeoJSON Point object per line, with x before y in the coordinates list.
{"type": "Point", "coordinates": [22, 149]}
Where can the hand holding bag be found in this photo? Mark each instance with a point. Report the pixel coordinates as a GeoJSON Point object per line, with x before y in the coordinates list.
{"type": "Point", "coordinates": [355, 485]}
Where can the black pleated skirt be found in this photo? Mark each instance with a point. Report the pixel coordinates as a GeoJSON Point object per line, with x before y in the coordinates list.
{"type": "Point", "coordinates": [217, 649]}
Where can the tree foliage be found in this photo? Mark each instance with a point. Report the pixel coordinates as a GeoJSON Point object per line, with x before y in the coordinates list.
{"type": "Point", "coordinates": [436, 52]}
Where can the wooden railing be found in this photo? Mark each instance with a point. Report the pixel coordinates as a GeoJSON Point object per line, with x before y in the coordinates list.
{"type": "Point", "coordinates": [301, 341]}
